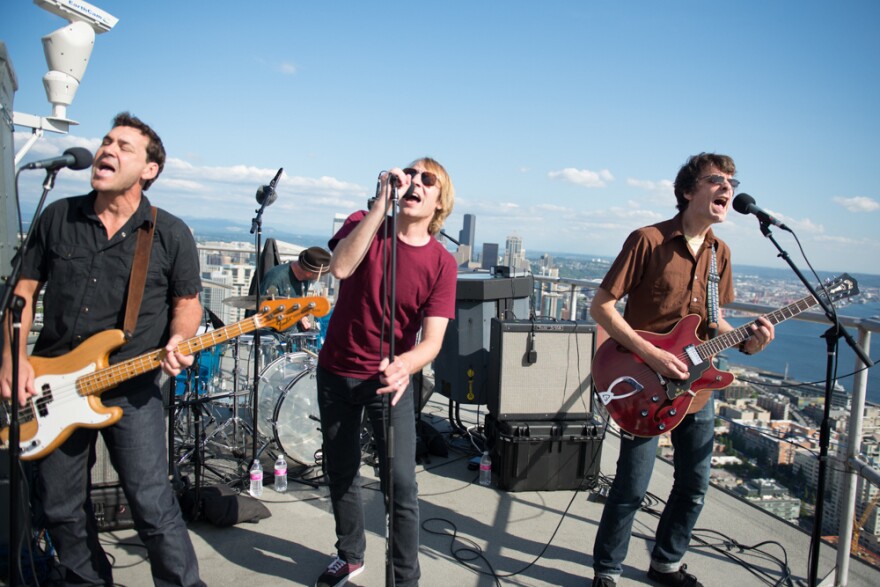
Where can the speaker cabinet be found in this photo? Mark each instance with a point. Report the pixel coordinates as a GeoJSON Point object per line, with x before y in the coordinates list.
{"type": "Point", "coordinates": [461, 369]}
{"type": "Point", "coordinates": [540, 370]}
{"type": "Point", "coordinates": [103, 473]}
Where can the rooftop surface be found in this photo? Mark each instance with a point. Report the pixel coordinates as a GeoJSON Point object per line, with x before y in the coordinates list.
{"type": "Point", "coordinates": [479, 536]}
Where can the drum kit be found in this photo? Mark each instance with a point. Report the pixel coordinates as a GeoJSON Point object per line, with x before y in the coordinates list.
{"type": "Point", "coordinates": [214, 400]}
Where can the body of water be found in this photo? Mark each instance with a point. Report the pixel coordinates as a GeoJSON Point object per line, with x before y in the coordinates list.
{"type": "Point", "coordinates": [799, 349]}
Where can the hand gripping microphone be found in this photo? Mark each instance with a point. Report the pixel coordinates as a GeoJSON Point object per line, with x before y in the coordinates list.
{"type": "Point", "coordinates": [74, 157]}
{"type": "Point", "coordinates": [745, 204]}
{"type": "Point", "coordinates": [266, 195]}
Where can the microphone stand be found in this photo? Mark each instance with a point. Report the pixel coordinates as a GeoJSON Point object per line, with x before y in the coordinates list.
{"type": "Point", "coordinates": [386, 400]}
{"type": "Point", "coordinates": [831, 336]}
{"type": "Point", "coordinates": [15, 304]}
{"type": "Point", "coordinates": [257, 230]}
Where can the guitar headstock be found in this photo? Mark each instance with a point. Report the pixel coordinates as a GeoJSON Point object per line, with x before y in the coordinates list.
{"type": "Point", "coordinates": [281, 314]}
{"type": "Point", "coordinates": [839, 288]}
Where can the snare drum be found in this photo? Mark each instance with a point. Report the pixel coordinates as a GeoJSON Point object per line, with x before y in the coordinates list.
{"type": "Point", "coordinates": [288, 407]}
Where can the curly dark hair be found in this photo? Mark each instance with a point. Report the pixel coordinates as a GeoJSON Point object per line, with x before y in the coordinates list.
{"type": "Point", "coordinates": [692, 170]}
{"type": "Point", "coordinates": [155, 148]}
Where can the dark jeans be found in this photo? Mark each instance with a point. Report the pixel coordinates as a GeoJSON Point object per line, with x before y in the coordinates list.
{"type": "Point", "coordinates": [692, 440]}
{"type": "Point", "coordinates": [342, 401]}
{"type": "Point", "coordinates": [137, 450]}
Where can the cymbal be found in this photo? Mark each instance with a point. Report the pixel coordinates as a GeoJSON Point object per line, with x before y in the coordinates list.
{"type": "Point", "coordinates": [244, 302]}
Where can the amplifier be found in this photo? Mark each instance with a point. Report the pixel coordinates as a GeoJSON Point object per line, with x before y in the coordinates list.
{"type": "Point", "coordinates": [103, 473]}
{"type": "Point", "coordinates": [540, 369]}
{"type": "Point", "coordinates": [111, 508]}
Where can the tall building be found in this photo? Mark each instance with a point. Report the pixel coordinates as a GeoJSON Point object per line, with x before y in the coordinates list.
{"type": "Point", "coordinates": [489, 256]}
{"type": "Point", "coordinates": [515, 255]}
{"type": "Point", "coordinates": [468, 231]}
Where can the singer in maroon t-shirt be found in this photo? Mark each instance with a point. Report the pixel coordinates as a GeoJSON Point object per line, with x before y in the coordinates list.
{"type": "Point", "coordinates": [354, 372]}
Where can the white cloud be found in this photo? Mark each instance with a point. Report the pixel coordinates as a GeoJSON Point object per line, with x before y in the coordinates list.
{"type": "Point", "coordinates": [664, 186]}
{"type": "Point", "coordinates": [583, 177]}
{"type": "Point", "coordinates": [858, 204]}
{"type": "Point", "coordinates": [802, 225]}
{"type": "Point", "coordinates": [288, 68]}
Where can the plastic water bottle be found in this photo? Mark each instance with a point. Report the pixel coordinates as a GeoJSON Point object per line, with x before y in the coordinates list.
{"type": "Point", "coordinates": [280, 474]}
{"type": "Point", "coordinates": [256, 479]}
{"type": "Point", "coordinates": [486, 469]}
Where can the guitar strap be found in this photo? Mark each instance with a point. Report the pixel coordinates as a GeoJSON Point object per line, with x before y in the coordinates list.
{"type": "Point", "coordinates": [138, 277]}
{"type": "Point", "coordinates": [712, 294]}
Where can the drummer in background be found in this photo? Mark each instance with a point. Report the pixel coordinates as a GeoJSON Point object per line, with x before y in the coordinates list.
{"type": "Point", "coordinates": [293, 279]}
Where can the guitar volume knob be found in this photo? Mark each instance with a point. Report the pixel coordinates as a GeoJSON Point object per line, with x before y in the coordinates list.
{"type": "Point", "coordinates": [644, 413]}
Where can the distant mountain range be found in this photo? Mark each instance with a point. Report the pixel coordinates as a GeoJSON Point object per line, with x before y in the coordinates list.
{"type": "Point", "coordinates": [219, 229]}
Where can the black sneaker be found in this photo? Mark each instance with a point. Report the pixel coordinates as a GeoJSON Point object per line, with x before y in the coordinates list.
{"type": "Point", "coordinates": [603, 582]}
{"type": "Point", "coordinates": [338, 573]}
{"type": "Point", "coordinates": [679, 578]}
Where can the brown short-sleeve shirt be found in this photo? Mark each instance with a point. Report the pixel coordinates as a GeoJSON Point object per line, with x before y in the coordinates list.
{"type": "Point", "coordinates": [664, 280]}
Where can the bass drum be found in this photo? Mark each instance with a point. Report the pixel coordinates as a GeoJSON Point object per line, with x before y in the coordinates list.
{"type": "Point", "coordinates": [289, 407]}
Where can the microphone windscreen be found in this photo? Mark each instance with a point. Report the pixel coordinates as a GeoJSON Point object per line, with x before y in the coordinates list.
{"type": "Point", "coordinates": [266, 194]}
{"type": "Point", "coordinates": [742, 202]}
{"type": "Point", "coordinates": [82, 157]}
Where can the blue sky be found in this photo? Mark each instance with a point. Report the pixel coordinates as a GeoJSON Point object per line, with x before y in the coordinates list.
{"type": "Point", "coordinates": [561, 122]}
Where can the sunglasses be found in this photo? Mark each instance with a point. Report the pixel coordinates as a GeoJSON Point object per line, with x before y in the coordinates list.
{"type": "Point", "coordinates": [428, 179]}
{"type": "Point", "coordinates": [720, 179]}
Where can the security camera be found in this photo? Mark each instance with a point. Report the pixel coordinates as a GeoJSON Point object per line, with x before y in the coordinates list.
{"type": "Point", "coordinates": [78, 11]}
{"type": "Point", "coordinates": [68, 49]}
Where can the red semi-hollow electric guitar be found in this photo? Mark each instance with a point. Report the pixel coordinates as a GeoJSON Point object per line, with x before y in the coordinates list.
{"type": "Point", "coordinates": [644, 403]}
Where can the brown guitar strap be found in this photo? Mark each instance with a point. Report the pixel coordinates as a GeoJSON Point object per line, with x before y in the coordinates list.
{"type": "Point", "coordinates": [138, 277]}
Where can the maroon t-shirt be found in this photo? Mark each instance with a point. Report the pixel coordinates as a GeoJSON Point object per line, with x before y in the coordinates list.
{"type": "Point", "coordinates": [426, 278]}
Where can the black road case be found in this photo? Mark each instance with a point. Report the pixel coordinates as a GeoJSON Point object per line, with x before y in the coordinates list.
{"type": "Point", "coordinates": [545, 455]}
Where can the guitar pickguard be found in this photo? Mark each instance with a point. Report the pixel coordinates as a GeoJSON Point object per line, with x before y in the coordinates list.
{"type": "Point", "coordinates": [57, 407]}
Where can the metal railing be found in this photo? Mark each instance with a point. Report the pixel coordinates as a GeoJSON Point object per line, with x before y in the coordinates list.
{"type": "Point", "coordinates": [855, 464]}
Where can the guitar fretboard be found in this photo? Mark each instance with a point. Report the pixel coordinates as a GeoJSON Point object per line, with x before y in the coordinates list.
{"type": "Point", "coordinates": [743, 333]}
{"type": "Point", "coordinates": [104, 379]}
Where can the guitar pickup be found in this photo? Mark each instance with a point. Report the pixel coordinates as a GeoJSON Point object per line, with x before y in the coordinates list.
{"type": "Point", "coordinates": [44, 400]}
{"type": "Point", "coordinates": [692, 354]}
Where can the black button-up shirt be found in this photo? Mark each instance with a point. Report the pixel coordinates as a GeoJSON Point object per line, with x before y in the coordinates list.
{"type": "Point", "coordinates": [87, 274]}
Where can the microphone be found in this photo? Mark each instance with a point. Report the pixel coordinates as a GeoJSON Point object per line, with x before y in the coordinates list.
{"type": "Point", "coordinates": [266, 193]}
{"type": "Point", "coordinates": [74, 157]}
{"type": "Point", "coordinates": [745, 204]}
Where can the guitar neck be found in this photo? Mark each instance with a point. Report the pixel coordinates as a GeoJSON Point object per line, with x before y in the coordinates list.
{"type": "Point", "coordinates": [107, 378]}
{"type": "Point", "coordinates": [743, 333]}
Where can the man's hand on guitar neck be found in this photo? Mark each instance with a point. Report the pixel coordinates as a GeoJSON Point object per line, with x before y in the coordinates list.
{"type": "Point", "coordinates": [174, 361]}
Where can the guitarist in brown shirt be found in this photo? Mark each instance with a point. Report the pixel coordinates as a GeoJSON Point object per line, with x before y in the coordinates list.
{"type": "Point", "coordinates": [665, 270]}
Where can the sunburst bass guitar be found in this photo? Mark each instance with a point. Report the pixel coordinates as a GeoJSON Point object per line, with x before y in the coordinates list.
{"type": "Point", "coordinates": [644, 403]}
{"type": "Point", "coordinates": [69, 386]}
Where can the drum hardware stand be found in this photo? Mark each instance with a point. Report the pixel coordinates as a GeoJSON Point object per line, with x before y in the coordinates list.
{"type": "Point", "coordinates": [194, 423]}
{"type": "Point", "coordinates": [235, 422]}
